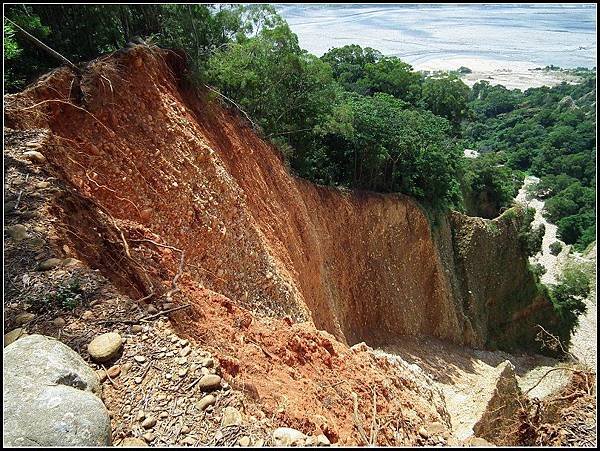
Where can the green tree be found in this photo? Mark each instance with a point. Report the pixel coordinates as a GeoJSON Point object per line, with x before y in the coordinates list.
{"type": "Point", "coordinates": [447, 97]}
{"type": "Point", "coordinates": [567, 297]}
{"type": "Point", "coordinates": [379, 143]}
{"type": "Point", "coordinates": [348, 64]}
{"type": "Point", "coordinates": [82, 32]}
{"type": "Point", "coordinates": [392, 76]}
{"type": "Point", "coordinates": [488, 186]}
{"type": "Point", "coordinates": [12, 51]}
{"type": "Point", "coordinates": [551, 133]}
{"type": "Point", "coordinates": [287, 90]}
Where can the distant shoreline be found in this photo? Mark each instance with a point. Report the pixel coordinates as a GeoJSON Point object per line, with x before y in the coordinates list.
{"type": "Point", "coordinates": [510, 36]}
{"type": "Point", "coordinates": [511, 74]}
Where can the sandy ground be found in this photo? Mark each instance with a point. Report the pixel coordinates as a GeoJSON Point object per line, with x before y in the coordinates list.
{"type": "Point", "coordinates": [511, 74]}
{"type": "Point", "coordinates": [584, 343]}
{"type": "Point", "coordinates": [464, 375]}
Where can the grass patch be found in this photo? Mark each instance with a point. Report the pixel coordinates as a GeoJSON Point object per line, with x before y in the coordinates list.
{"type": "Point", "coordinates": [66, 297]}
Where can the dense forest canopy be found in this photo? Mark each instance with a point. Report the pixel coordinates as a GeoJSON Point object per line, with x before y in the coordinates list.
{"type": "Point", "coordinates": [353, 117]}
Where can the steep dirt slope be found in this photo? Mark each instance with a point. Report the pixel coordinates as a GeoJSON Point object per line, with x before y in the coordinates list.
{"type": "Point", "coordinates": [359, 265]}
{"type": "Point", "coordinates": [356, 264]}
{"type": "Point", "coordinates": [282, 374]}
{"type": "Point", "coordinates": [149, 161]}
{"type": "Point", "coordinates": [141, 168]}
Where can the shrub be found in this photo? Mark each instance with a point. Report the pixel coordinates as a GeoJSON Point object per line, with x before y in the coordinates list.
{"type": "Point", "coordinates": [531, 239]}
{"type": "Point", "coordinates": [555, 248]}
{"type": "Point", "coordinates": [67, 296]}
{"type": "Point", "coordinates": [538, 270]}
{"type": "Point", "coordinates": [567, 298]}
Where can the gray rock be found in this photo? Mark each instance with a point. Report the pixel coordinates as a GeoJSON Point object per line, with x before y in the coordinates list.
{"type": "Point", "coordinates": [17, 232]}
{"type": "Point", "coordinates": [148, 436]}
{"type": "Point", "coordinates": [59, 322]}
{"type": "Point", "coordinates": [134, 442]}
{"type": "Point", "coordinates": [207, 362]}
{"type": "Point", "coordinates": [51, 396]}
{"type": "Point", "coordinates": [149, 423]}
{"type": "Point", "coordinates": [477, 442]}
{"type": "Point", "coordinates": [206, 401]}
{"type": "Point", "coordinates": [13, 336]}
{"type": "Point", "coordinates": [49, 264]}
{"type": "Point", "coordinates": [34, 156]}
{"type": "Point", "coordinates": [70, 261]}
{"type": "Point", "coordinates": [24, 318]}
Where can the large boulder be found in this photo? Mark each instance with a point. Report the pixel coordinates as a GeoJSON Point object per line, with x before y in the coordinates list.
{"type": "Point", "coordinates": [51, 396]}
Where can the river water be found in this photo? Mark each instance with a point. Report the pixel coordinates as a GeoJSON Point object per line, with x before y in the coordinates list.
{"type": "Point", "coordinates": [534, 34]}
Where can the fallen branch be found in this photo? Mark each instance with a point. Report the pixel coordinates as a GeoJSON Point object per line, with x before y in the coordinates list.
{"type": "Point", "coordinates": [117, 321]}
{"type": "Point", "coordinates": [18, 200]}
{"type": "Point", "coordinates": [108, 375]}
{"type": "Point", "coordinates": [374, 425]}
{"type": "Point", "coordinates": [44, 47]}
{"type": "Point", "coordinates": [145, 319]}
{"type": "Point", "coordinates": [357, 421]}
{"type": "Point", "coordinates": [555, 342]}
{"type": "Point", "coordinates": [163, 312]}
{"type": "Point", "coordinates": [574, 370]}
{"type": "Point", "coordinates": [235, 104]}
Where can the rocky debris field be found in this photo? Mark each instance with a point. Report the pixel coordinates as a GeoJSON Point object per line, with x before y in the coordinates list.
{"type": "Point", "coordinates": [159, 389]}
{"type": "Point", "coordinates": [483, 389]}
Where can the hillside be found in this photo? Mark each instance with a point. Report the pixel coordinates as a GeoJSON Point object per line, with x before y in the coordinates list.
{"type": "Point", "coordinates": [177, 201]}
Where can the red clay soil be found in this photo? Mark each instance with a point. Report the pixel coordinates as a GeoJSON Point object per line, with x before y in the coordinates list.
{"type": "Point", "coordinates": [269, 258]}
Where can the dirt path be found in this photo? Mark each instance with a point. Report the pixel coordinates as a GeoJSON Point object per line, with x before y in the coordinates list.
{"type": "Point", "coordinates": [552, 263]}
{"type": "Point", "coordinates": [584, 343]}
{"type": "Point", "coordinates": [584, 339]}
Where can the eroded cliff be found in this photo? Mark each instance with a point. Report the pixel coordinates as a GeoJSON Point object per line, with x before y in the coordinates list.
{"type": "Point", "coordinates": [362, 266]}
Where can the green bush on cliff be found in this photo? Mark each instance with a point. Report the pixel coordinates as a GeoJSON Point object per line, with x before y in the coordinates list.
{"type": "Point", "coordinates": [567, 297]}
{"type": "Point", "coordinates": [531, 239]}
{"type": "Point", "coordinates": [488, 185]}
{"type": "Point", "coordinates": [555, 248]}
{"type": "Point", "coordinates": [538, 270]}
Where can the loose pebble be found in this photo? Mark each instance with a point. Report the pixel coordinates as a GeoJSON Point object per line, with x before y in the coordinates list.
{"type": "Point", "coordinates": [149, 423]}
